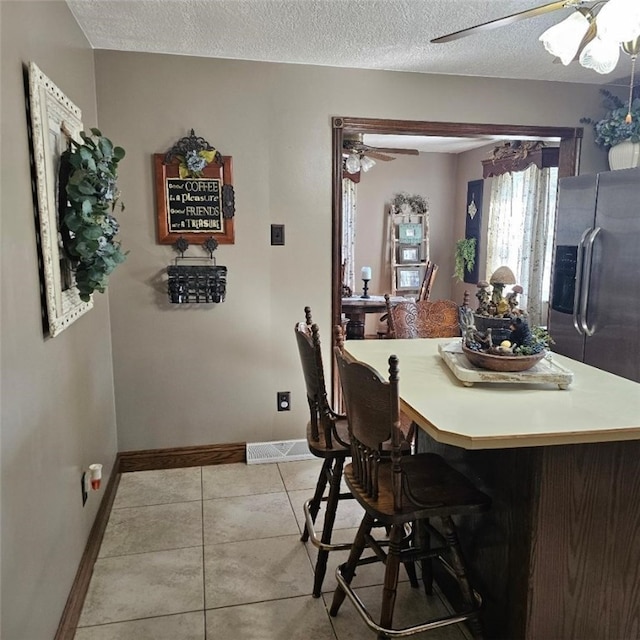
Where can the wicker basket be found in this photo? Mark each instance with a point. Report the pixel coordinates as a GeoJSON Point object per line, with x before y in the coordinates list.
{"type": "Point", "coordinates": [501, 363]}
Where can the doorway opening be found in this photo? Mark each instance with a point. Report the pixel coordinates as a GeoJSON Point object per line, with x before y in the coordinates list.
{"type": "Point", "coordinates": [569, 149]}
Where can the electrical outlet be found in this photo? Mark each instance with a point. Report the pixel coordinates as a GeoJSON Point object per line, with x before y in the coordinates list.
{"type": "Point", "coordinates": [84, 485]}
{"type": "Point", "coordinates": [284, 400]}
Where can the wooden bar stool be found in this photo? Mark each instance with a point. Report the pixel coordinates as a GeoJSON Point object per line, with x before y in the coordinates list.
{"type": "Point", "coordinates": [400, 491]}
{"type": "Point", "coordinates": [422, 318]}
{"type": "Point", "coordinates": [327, 438]}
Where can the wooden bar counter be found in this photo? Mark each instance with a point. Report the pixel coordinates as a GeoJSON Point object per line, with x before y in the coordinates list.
{"type": "Point", "coordinates": [558, 555]}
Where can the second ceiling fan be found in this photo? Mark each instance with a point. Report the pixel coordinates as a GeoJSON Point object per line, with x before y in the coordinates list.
{"type": "Point", "coordinates": [359, 156]}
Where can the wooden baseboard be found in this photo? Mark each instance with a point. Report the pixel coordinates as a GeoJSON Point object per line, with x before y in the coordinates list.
{"type": "Point", "coordinates": [134, 461]}
{"type": "Point", "coordinates": [73, 607]}
{"type": "Point", "coordinates": [180, 457]}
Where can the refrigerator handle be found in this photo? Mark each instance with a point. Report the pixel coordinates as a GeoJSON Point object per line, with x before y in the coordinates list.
{"type": "Point", "coordinates": [586, 281]}
{"type": "Point", "coordinates": [577, 323]}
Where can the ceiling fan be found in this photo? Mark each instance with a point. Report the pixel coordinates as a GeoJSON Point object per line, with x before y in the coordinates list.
{"type": "Point", "coordinates": [510, 19]}
{"type": "Point", "coordinates": [359, 156]}
{"type": "Point", "coordinates": [354, 144]}
{"type": "Point", "coordinates": [594, 33]}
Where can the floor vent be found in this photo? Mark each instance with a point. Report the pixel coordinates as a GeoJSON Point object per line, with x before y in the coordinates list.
{"type": "Point", "coordinates": [281, 451]}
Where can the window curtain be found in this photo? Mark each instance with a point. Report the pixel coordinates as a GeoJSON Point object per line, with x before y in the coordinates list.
{"type": "Point", "coordinates": [349, 193]}
{"type": "Point", "coordinates": [520, 236]}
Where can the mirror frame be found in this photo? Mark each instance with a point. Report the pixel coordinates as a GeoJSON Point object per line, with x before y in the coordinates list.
{"type": "Point", "coordinates": [570, 143]}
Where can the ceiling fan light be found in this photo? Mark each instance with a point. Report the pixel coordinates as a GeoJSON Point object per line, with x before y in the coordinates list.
{"type": "Point", "coordinates": [563, 39]}
{"type": "Point", "coordinates": [352, 163]}
{"type": "Point", "coordinates": [619, 20]}
{"type": "Point", "coordinates": [366, 163]}
{"type": "Point", "coordinates": [600, 55]}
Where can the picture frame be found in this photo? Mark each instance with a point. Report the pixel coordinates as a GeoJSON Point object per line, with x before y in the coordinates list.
{"type": "Point", "coordinates": [408, 278]}
{"type": "Point", "coordinates": [408, 254]}
{"type": "Point", "coordinates": [409, 233]}
{"type": "Point", "coordinates": [54, 119]}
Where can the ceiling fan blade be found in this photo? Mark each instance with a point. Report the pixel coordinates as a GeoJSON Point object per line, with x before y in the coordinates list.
{"type": "Point", "coordinates": [378, 156]}
{"type": "Point", "coordinates": [406, 152]}
{"type": "Point", "coordinates": [510, 19]}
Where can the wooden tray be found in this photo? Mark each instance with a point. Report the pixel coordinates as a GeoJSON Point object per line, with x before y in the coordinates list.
{"type": "Point", "coordinates": [547, 371]}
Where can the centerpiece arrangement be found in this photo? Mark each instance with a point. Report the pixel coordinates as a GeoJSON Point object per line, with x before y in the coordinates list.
{"type": "Point", "coordinates": [497, 336]}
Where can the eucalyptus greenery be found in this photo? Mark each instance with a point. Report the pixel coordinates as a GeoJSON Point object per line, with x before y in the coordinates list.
{"type": "Point", "coordinates": [616, 127]}
{"type": "Point", "coordinates": [417, 203]}
{"type": "Point", "coordinates": [465, 257]}
{"type": "Point", "coordinates": [89, 226]}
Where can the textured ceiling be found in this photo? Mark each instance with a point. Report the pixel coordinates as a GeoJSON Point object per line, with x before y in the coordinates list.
{"type": "Point", "coordinates": [364, 34]}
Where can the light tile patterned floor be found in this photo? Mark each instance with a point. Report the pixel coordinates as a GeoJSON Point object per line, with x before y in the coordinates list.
{"type": "Point", "coordinates": [214, 553]}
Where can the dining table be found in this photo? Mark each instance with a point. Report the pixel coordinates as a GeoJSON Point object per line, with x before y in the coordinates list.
{"type": "Point", "coordinates": [557, 557]}
{"type": "Point", "coordinates": [356, 307]}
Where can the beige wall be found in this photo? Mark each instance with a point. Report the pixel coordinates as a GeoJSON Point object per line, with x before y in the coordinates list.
{"type": "Point", "coordinates": [186, 376]}
{"type": "Point", "coordinates": [182, 375]}
{"type": "Point", "coordinates": [58, 413]}
{"type": "Point", "coordinates": [431, 175]}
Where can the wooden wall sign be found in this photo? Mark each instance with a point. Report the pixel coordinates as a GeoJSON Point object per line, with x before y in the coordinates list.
{"type": "Point", "coordinates": [194, 193]}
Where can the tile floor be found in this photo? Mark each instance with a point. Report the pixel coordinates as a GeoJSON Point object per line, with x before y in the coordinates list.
{"type": "Point", "coordinates": [214, 553]}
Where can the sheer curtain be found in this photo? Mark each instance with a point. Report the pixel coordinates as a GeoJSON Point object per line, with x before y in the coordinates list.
{"type": "Point", "coordinates": [349, 193]}
{"type": "Point", "coordinates": [521, 223]}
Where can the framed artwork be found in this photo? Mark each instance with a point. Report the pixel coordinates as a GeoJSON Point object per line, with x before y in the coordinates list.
{"type": "Point", "coordinates": [194, 193]}
{"type": "Point", "coordinates": [409, 233]}
{"type": "Point", "coordinates": [408, 254]}
{"type": "Point", "coordinates": [54, 120]}
{"type": "Point", "coordinates": [473, 224]}
{"type": "Point", "coordinates": [408, 278]}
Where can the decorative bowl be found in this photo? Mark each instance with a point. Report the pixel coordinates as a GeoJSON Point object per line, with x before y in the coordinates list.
{"type": "Point", "coordinates": [501, 363]}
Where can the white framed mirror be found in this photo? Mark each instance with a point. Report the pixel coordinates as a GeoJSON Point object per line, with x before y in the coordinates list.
{"type": "Point", "coordinates": [54, 120]}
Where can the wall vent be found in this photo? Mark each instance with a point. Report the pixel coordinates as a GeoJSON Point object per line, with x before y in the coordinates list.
{"type": "Point", "coordinates": [280, 451]}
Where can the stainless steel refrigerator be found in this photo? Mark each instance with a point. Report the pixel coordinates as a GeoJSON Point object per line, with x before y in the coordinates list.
{"type": "Point", "coordinates": [594, 313]}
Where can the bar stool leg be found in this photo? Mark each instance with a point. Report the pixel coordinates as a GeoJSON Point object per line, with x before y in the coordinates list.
{"type": "Point", "coordinates": [357, 549]}
{"type": "Point", "coordinates": [327, 529]}
{"type": "Point", "coordinates": [391, 577]}
{"type": "Point", "coordinates": [314, 505]}
{"type": "Point", "coordinates": [461, 574]}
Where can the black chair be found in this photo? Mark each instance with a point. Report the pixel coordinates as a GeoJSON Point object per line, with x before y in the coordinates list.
{"type": "Point", "coordinates": [400, 492]}
{"type": "Point", "coordinates": [327, 438]}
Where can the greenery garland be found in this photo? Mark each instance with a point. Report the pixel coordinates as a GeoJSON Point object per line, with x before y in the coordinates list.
{"type": "Point", "coordinates": [620, 123]}
{"type": "Point", "coordinates": [417, 203]}
{"type": "Point", "coordinates": [89, 226]}
{"type": "Point", "coordinates": [465, 257]}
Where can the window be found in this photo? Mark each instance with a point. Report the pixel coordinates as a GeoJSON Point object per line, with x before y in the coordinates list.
{"type": "Point", "coordinates": [521, 225]}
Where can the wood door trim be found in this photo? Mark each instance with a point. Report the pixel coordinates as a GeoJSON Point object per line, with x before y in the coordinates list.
{"type": "Point", "coordinates": [570, 139]}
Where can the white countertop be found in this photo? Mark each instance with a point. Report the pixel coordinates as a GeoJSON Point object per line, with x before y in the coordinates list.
{"type": "Point", "coordinates": [597, 407]}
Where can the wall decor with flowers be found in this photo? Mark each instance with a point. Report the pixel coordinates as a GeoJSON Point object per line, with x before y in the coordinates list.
{"type": "Point", "coordinates": [194, 193]}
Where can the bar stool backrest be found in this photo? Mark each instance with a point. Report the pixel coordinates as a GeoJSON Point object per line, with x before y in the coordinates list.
{"type": "Point", "coordinates": [373, 411]}
{"type": "Point", "coordinates": [423, 319]}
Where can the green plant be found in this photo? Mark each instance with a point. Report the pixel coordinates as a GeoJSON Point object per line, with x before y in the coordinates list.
{"type": "Point", "coordinates": [88, 225]}
{"type": "Point", "coordinates": [465, 257]}
{"type": "Point", "coordinates": [619, 124]}
{"type": "Point", "coordinates": [539, 341]}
